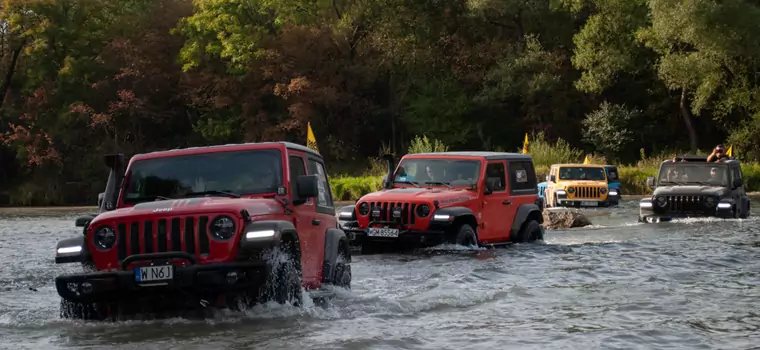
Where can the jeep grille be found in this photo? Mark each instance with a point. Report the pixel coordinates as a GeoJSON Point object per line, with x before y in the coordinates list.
{"type": "Point", "coordinates": [688, 204]}
{"type": "Point", "coordinates": [386, 211]}
{"type": "Point", "coordinates": [163, 235]}
{"type": "Point", "coordinates": [586, 192]}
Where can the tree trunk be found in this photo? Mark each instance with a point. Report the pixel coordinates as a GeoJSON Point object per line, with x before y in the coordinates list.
{"type": "Point", "coordinates": [11, 71]}
{"type": "Point", "coordinates": [687, 121]}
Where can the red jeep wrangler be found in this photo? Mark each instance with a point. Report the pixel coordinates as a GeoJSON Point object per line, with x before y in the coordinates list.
{"type": "Point", "coordinates": [223, 225]}
{"type": "Point", "coordinates": [465, 198]}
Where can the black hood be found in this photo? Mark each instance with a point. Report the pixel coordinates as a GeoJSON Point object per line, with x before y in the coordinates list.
{"type": "Point", "coordinates": [692, 190]}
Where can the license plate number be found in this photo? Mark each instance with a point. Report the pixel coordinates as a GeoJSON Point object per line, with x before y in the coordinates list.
{"type": "Point", "coordinates": [154, 273]}
{"type": "Point", "coordinates": [588, 203]}
{"type": "Point", "coordinates": [382, 232]}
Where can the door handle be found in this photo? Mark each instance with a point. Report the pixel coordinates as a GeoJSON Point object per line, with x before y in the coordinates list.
{"type": "Point", "coordinates": [315, 222]}
{"type": "Point", "coordinates": [507, 202]}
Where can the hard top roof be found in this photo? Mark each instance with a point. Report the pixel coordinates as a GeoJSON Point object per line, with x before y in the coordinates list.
{"type": "Point", "coordinates": [223, 148]}
{"type": "Point", "coordinates": [580, 165]}
{"type": "Point", "coordinates": [482, 154]}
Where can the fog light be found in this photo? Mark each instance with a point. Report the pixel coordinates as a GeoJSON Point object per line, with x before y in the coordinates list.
{"type": "Point", "coordinates": [232, 277]}
{"type": "Point", "coordinates": [86, 287]}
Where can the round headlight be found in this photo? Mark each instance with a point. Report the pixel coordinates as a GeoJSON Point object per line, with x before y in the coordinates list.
{"type": "Point", "coordinates": [363, 209]}
{"type": "Point", "coordinates": [603, 191]}
{"type": "Point", "coordinates": [571, 190]}
{"type": "Point", "coordinates": [105, 238]}
{"type": "Point", "coordinates": [661, 201]}
{"type": "Point", "coordinates": [223, 228]}
{"type": "Point", "coordinates": [423, 210]}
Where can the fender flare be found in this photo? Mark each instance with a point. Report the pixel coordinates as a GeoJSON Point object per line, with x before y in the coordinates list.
{"type": "Point", "coordinates": [82, 255]}
{"type": "Point", "coordinates": [525, 212]}
{"type": "Point", "coordinates": [333, 239]}
{"type": "Point", "coordinates": [347, 209]}
{"type": "Point", "coordinates": [457, 215]}
{"type": "Point", "coordinates": [280, 228]}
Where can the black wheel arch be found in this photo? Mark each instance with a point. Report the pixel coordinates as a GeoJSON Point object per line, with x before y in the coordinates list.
{"type": "Point", "coordinates": [524, 213]}
{"type": "Point", "coordinates": [82, 256]}
{"type": "Point", "coordinates": [284, 231]}
{"type": "Point", "coordinates": [334, 239]}
{"type": "Point", "coordinates": [459, 216]}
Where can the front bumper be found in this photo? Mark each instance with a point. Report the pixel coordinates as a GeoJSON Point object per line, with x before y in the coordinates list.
{"type": "Point", "coordinates": [433, 235]}
{"type": "Point", "coordinates": [194, 278]}
{"type": "Point", "coordinates": [647, 214]}
{"type": "Point", "coordinates": [592, 203]}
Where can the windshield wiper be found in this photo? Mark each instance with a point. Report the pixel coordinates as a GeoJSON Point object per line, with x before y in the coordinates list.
{"type": "Point", "coordinates": [203, 193]}
{"type": "Point", "coordinates": [439, 183]}
{"type": "Point", "coordinates": [408, 182]}
{"type": "Point", "coordinates": [147, 198]}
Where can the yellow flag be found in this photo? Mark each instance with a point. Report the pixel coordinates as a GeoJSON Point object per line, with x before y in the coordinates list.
{"type": "Point", "coordinates": [525, 144]}
{"type": "Point", "coordinates": [311, 141]}
{"type": "Point", "coordinates": [730, 151]}
{"type": "Point", "coordinates": [586, 161]}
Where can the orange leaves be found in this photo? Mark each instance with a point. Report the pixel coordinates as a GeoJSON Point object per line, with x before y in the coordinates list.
{"type": "Point", "coordinates": [33, 141]}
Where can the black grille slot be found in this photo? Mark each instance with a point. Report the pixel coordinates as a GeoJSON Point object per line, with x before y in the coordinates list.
{"type": "Point", "coordinates": [203, 235]}
{"type": "Point", "coordinates": [189, 235]}
{"type": "Point", "coordinates": [168, 236]}
{"type": "Point", "coordinates": [148, 237]}
{"type": "Point", "coordinates": [122, 241]}
{"type": "Point", "coordinates": [134, 238]}
{"type": "Point", "coordinates": [386, 212]}
{"type": "Point", "coordinates": [176, 235]}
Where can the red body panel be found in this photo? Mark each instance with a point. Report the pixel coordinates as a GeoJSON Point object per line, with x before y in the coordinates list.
{"type": "Point", "coordinates": [177, 214]}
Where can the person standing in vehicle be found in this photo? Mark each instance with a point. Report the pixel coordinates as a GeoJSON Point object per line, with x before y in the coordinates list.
{"type": "Point", "coordinates": [718, 154]}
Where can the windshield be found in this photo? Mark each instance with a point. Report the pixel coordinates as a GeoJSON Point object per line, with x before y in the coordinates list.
{"type": "Point", "coordinates": [702, 174]}
{"type": "Point", "coordinates": [453, 172]}
{"type": "Point", "coordinates": [239, 172]}
{"type": "Point", "coordinates": [581, 173]}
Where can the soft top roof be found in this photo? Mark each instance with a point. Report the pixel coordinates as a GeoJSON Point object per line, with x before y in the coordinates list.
{"type": "Point", "coordinates": [480, 154]}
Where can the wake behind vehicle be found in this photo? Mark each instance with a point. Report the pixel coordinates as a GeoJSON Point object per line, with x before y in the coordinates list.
{"type": "Point", "coordinates": [691, 187]}
{"type": "Point", "coordinates": [582, 185]}
{"type": "Point", "coordinates": [465, 198]}
{"type": "Point", "coordinates": [213, 226]}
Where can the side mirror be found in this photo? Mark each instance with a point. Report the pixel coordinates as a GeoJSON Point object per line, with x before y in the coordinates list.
{"type": "Point", "coordinates": [553, 178]}
{"type": "Point", "coordinates": [738, 182]}
{"type": "Point", "coordinates": [490, 185]}
{"type": "Point", "coordinates": [306, 187]}
{"type": "Point", "coordinates": [650, 181]}
{"type": "Point", "coordinates": [82, 221]}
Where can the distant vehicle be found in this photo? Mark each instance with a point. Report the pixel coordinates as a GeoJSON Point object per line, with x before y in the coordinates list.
{"type": "Point", "coordinates": [206, 226]}
{"type": "Point", "coordinates": [465, 198]}
{"type": "Point", "coordinates": [581, 185]}
{"type": "Point", "coordinates": [692, 187]}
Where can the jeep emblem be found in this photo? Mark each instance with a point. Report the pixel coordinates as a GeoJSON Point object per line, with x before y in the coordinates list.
{"type": "Point", "coordinates": [162, 210]}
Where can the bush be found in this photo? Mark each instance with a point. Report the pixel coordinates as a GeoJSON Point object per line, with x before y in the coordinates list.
{"type": "Point", "coordinates": [545, 153]}
{"type": "Point", "coordinates": [423, 145]}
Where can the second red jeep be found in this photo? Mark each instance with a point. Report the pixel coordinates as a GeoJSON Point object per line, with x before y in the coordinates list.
{"type": "Point", "coordinates": [465, 198]}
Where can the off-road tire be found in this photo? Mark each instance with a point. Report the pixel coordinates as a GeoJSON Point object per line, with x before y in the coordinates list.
{"type": "Point", "coordinates": [464, 236]}
{"type": "Point", "coordinates": [285, 279]}
{"type": "Point", "coordinates": [342, 277]}
{"type": "Point", "coordinates": [745, 213]}
{"type": "Point", "coordinates": [530, 231]}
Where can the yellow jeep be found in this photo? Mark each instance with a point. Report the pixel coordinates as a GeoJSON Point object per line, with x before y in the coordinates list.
{"type": "Point", "coordinates": [579, 185]}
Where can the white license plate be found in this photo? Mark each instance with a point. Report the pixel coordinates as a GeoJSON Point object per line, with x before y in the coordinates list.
{"type": "Point", "coordinates": [588, 203]}
{"type": "Point", "coordinates": [154, 273]}
{"type": "Point", "coordinates": [382, 232]}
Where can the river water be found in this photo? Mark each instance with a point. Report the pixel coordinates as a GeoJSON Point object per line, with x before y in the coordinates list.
{"type": "Point", "coordinates": [690, 284]}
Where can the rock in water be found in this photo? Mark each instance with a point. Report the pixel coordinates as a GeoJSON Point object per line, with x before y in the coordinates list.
{"type": "Point", "coordinates": [556, 219]}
